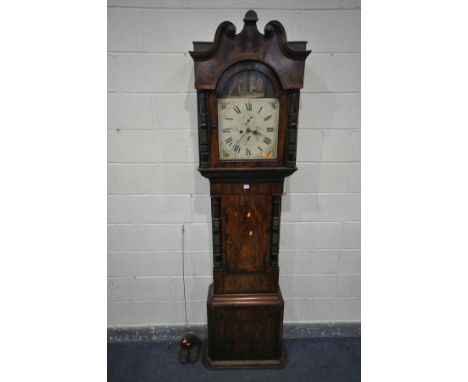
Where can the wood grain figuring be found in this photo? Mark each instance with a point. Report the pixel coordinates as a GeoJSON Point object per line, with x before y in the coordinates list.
{"type": "Point", "coordinates": [246, 226]}
{"type": "Point", "coordinates": [245, 327]}
{"type": "Point", "coordinates": [256, 282]}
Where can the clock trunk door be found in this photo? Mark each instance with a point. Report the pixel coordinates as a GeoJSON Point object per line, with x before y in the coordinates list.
{"type": "Point", "coordinates": [245, 222]}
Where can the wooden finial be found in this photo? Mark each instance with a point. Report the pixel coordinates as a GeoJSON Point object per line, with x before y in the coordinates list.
{"type": "Point", "coordinates": [251, 16]}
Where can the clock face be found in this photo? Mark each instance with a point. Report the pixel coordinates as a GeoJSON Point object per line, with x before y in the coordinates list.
{"type": "Point", "coordinates": [248, 128]}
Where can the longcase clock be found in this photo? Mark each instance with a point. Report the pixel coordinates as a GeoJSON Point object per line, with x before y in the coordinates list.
{"type": "Point", "coordinates": [248, 100]}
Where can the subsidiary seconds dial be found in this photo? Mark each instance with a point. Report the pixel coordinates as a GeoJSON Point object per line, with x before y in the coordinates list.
{"type": "Point", "coordinates": [248, 128]}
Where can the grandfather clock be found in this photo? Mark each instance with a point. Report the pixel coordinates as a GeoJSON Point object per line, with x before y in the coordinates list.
{"type": "Point", "coordinates": [248, 100]}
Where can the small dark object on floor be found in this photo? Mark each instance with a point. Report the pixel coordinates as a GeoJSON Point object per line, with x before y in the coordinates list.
{"type": "Point", "coordinates": [313, 359]}
{"type": "Point", "coordinates": [189, 349]}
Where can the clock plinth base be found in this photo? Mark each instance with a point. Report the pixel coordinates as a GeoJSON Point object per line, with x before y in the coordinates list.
{"type": "Point", "coordinates": [244, 364]}
{"type": "Point", "coordinates": [245, 331]}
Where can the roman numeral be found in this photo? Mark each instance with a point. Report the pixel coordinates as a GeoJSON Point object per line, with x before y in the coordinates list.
{"type": "Point", "coordinates": [248, 106]}
{"type": "Point", "coordinates": [259, 148]}
{"type": "Point", "coordinates": [267, 118]}
{"type": "Point", "coordinates": [228, 130]}
{"type": "Point", "coordinates": [247, 151]}
{"type": "Point", "coordinates": [261, 107]}
{"type": "Point", "coordinates": [237, 110]}
{"type": "Point", "coordinates": [270, 129]}
{"type": "Point", "coordinates": [237, 149]}
{"type": "Point", "coordinates": [267, 140]}
{"type": "Point", "coordinates": [229, 140]}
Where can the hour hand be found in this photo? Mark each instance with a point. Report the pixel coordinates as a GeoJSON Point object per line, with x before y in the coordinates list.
{"type": "Point", "coordinates": [256, 132]}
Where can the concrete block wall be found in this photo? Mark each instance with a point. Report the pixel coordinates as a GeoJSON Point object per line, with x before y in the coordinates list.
{"type": "Point", "coordinates": [158, 204]}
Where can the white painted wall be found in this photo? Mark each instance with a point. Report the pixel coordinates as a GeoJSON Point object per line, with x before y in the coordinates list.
{"type": "Point", "coordinates": [155, 190]}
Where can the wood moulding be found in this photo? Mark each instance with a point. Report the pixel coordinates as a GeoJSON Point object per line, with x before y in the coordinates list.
{"type": "Point", "coordinates": [271, 48]}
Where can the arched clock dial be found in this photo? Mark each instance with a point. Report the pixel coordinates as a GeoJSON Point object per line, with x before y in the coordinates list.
{"type": "Point", "coordinates": [248, 128]}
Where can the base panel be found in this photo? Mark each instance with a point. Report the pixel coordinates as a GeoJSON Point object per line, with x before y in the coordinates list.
{"type": "Point", "coordinates": [245, 330]}
{"type": "Point", "coordinates": [244, 364]}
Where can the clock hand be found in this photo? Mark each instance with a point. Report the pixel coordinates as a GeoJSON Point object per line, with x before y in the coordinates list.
{"type": "Point", "coordinates": [248, 120]}
{"type": "Point", "coordinates": [256, 132]}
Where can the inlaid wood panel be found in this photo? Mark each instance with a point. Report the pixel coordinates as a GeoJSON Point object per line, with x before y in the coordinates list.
{"type": "Point", "coordinates": [245, 222]}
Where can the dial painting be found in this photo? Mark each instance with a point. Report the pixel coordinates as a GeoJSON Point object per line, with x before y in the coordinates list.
{"type": "Point", "coordinates": [248, 128]}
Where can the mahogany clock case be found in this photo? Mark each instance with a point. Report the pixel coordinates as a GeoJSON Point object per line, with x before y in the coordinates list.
{"type": "Point", "coordinates": [245, 305]}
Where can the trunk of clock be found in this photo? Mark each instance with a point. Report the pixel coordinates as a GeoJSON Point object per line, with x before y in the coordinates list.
{"type": "Point", "coordinates": [245, 306]}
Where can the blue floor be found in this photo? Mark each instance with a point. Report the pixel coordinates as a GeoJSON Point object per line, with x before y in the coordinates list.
{"type": "Point", "coordinates": [315, 359]}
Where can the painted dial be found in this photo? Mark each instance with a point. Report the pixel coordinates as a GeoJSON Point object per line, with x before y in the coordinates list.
{"type": "Point", "coordinates": [248, 128]}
